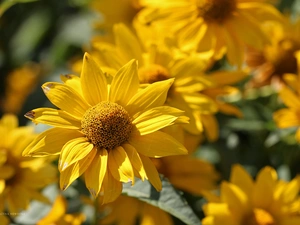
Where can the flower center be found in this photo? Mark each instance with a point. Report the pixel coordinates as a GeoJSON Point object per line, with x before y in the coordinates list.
{"type": "Point", "coordinates": [260, 217]}
{"type": "Point", "coordinates": [107, 125]}
{"type": "Point", "coordinates": [153, 73]}
{"type": "Point", "coordinates": [283, 58]}
{"type": "Point", "coordinates": [216, 10]}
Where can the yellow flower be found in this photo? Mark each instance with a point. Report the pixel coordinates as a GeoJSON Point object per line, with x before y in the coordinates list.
{"type": "Point", "coordinates": [290, 95]}
{"type": "Point", "coordinates": [277, 59]}
{"type": "Point", "coordinates": [266, 201]}
{"type": "Point", "coordinates": [21, 179]}
{"type": "Point", "coordinates": [106, 128]}
{"type": "Point", "coordinates": [159, 62]}
{"type": "Point", "coordinates": [225, 26]}
{"type": "Point", "coordinates": [19, 83]}
{"type": "Point", "coordinates": [193, 175]}
{"type": "Point", "coordinates": [57, 215]}
{"type": "Point", "coordinates": [127, 211]}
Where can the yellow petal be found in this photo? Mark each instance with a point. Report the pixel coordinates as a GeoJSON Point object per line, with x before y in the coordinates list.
{"type": "Point", "coordinates": [242, 179]}
{"type": "Point", "coordinates": [75, 170]}
{"type": "Point", "coordinates": [285, 118]}
{"type": "Point", "coordinates": [120, 165]}
{"type": "Point", "coordinates": [57, 211]}
{"type": "Point", "coordinates": [111, 189]}
{"type": "Point", "coordinates": [156, 118]}
{"type": "Point", "coordinates": [37, 177]}
{"type": "Point", "coordinates": [200, 102]}
{"type": "Point", "coordinates": [18, 198]}
{"type": "Point", "coordinates": [108, 54]}
{"type": "Point", "coordinates": [211, 127]}
{"type": "Point", "coordinates": [191, 35]}
{"type": "Point", "coordinates": [73, 81]}
{"type": "Point", "coordinates": [152, 215]}
{"type": "Point", "coordinates": [19, 139]}
{"type": "Point", "coordinates": [152, 174]}
{"type": "Point", "coordinates": [222, 78]}
{"type": "Point", "coordinates": [125, 83]}
{"type": "Point", "coordinates": [235, 49]}
{"type": "Point", "coordinates": [65, 98]}
{"type": "Point", "coordinates": [216, 209]}
{"type": "Point", "coordinates": [2, 186]}
{"type": "Point", "coordinates": [194, 126]}
{"type": "Point", "coordinates": [248, 30]}
{"type": "Point", "coordinates": [157, 144]}
{"type": "Point", "coordinates": [230, 109]}
{"type": "Point", "coordinates": [291, 191]}
{"type": "Point", "coordinates": [9, 121]}
{"type": "Point", "coordinates": [152, 96]}
{"type": "Point", "coordinates": [127, 43]}
{"type": "Point", "coordinates": [53, 117]}
{"type": "Point", "coordinates": [289, 98]}
{"type": "Point", "coordinates": [94, 175]}
{"type": "Point", "coordinates": [93, 81]}
{"type": "Point", "coordinates": [236, 199]}
{"type": "Point", "coordinates": [264, 186]}
{"type": "Point", "coordinates": [50, 142]}
{"type": "Point", "coordinates": [135, 160]}
{"type": "Point", "coordinates": [75, 150]}
{"type": "Point", "coordinates": [260, 11]}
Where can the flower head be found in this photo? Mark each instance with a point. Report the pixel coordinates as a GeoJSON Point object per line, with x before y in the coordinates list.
{"type": "Point", "coordinates": [224, 26]}
{"type": "Point", "coordinates": [243, 201]}
{"type": "Point", "coordinates": [277, 59]}
{"type": "Point", "coordinates": [21, 179]}
{"type": "Point", "coordinates": [106, 128]}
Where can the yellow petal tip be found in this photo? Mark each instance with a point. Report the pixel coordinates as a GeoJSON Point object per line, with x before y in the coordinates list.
{"type": "Point", "coordinates": [47, 87]}
{"type": "Point", "coordinates": [30, 115]}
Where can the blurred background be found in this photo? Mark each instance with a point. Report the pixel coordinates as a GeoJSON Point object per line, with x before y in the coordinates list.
{"type": "Point", "coordinates": [39, 40]}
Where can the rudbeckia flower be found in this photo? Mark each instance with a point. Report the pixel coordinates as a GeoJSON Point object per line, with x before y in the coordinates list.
{"type": "Point", "coordinates": [106, 128]}
{"type": "Point", "coordinates": [21, 179]}
{"type": "Point", "coordinates": [290, 95]}
{"type": "Point", "coordinates": [243, 201]}
{"type": "Point", "coordinates": [58, 216]}
{"type": "Point", "coordinates": [277, 59]}
{"type": "Point", "coordinates": [225, 26]}
{"type": "Point", "coordinates": [159, 62]}
{"type": "Point", "coordinates": [19, 84]}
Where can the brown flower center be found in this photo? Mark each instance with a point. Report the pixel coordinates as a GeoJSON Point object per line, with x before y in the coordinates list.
{"type": "Point", "coordinates": [107, 125]}
{"type": "Point", "coordinates": [216, 10]}
{"type": "Point", "coordinates": [154, 73]}
{"type": "Point", "coordinates": [283, 59]}
{"type": "Point", "coordinates": [260, 217]}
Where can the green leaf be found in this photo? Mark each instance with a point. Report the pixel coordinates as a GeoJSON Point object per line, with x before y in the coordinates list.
{"type": "Point", "coordinates": [169, 199]}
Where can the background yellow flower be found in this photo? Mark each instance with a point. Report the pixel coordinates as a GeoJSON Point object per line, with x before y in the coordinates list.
{"type": "Point", "coordinates": [21, 178]}
{"type": "Point", "coordinates": [243, 201]}
{"type": "Point", "coordinates": [224, 26]}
